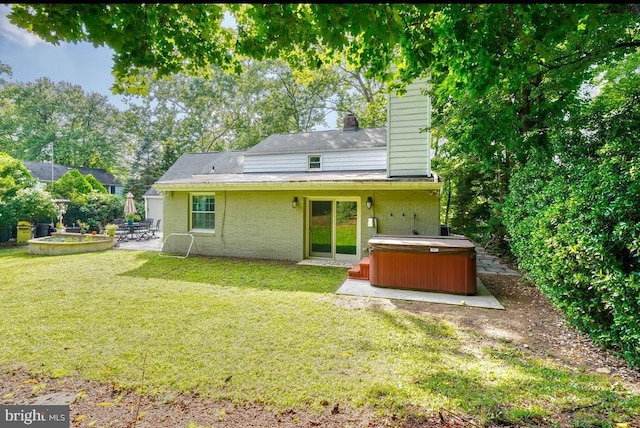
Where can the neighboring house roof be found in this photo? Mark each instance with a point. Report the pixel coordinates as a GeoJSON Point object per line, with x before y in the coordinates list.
{"type": "Point", "coordinates": [190, 164]}
{"type": "Point", "coordinates": [322, 141]}
{"type": "Point", "coordinates": [42, 172]}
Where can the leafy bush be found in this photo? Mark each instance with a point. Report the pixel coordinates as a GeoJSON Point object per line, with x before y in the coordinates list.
{"type": "Point", "coordinates": [30, 204]}
{"type": "Point", "coordinates": [19, 197]}
{"type": "Point", "coordinates": [13, 177]}
{"type": "Point", "coordinates": [95, 184]}
{"type": "Point", "coordinates": [574, 222]}
{"type": "Point", "coordinates": [70, 184]}
{"type": "Point", "coordinates": [94, 209]}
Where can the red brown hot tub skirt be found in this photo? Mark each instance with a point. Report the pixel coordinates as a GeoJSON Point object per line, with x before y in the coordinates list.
{"type": "Point", "coordinates": [426, 263]}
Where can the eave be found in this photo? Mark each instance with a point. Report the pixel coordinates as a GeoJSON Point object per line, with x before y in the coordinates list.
{"type": "Point", "coordinates": [299, 182]}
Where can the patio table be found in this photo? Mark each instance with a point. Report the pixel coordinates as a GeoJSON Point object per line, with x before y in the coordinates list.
{"type": "Point", "coordinates": [135, 230]}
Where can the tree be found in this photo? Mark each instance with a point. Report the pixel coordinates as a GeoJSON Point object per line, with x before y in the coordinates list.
{"type": "Point", "coordinates": [363, 96]}
{"type": "Point", "coordinates": [96, 209]}
{"type": "Point", "coordinates": [95, 184]}
{"type": "Point", "coordinates": [72, 184]}
{"type": "Point", "coordinates": [171, 38]}
{"type": "Point", "coordinates": [573, 220]}
{"type": "Point", "coordinates": [83, 128]}
{"type": "Point", "coordinates": [19, 197]}
{"type": "Point", "coordinates": [182, 113]}
{"type": "Point", "coordinates": [145, 168]}
{"type": "Point", "coordinates": [13, 177]}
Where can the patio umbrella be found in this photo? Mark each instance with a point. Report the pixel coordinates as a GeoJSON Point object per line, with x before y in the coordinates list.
{"type": "Point", "coordinates": [129, 206]}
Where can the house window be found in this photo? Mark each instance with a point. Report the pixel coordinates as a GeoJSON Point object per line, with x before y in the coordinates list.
{"type": "Point", "coordinates": [315, 162]}
{"type": "Point", "coordinates": [203, 213]}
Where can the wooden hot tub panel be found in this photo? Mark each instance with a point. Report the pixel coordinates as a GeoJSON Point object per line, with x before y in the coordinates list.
{"type": "Point", "coordinates": [442, 264]}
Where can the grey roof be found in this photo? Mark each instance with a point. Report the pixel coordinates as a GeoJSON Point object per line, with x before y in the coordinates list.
{"type": "Point", "coordinates": [190, 164]}
{"type": "Point", "coordinates": [42, 172]}
{"type": "Point", "coordinates": [227, 167]}
{"type": "Point", "coordinates": [322, 141]}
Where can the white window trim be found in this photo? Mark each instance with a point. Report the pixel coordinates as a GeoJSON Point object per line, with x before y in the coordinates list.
{"type": "Point", "coordinates": [309, 163]}
{"type": "Point", "coordinates": [200, 230]}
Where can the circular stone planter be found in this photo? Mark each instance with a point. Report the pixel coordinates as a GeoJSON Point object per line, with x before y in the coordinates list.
{"type": "Point", "coordinates": [60, 243]}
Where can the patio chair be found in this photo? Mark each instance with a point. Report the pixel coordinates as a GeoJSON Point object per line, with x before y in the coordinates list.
{"type": "Point", "coordinates": [144, 228]}
{"type": "Point", "coordinates": [122, 231]}
{"type": "Point", "coordinates": [155, 229]}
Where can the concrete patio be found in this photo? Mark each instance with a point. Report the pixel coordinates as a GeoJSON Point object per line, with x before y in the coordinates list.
{"type": "Point", "coordinates": [485, 264]}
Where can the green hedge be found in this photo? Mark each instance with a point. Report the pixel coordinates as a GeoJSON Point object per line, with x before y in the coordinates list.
{"type": "Point", "coordinates": [574, 225]}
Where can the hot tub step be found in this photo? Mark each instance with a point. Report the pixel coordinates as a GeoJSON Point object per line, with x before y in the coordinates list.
{"type": "Point", "coordinates": [360, 270]}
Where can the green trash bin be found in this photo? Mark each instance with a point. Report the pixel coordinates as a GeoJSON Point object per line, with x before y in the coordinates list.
{"type": "Point", "coordinates": [24, 232]}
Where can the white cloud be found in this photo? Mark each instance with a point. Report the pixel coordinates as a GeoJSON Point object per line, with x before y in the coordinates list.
{"type": "Point", "coordinates": [13, 33]}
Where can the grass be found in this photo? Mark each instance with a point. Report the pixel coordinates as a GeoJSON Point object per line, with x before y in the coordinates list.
{"type": "Point", "coordinates": [269, 332]}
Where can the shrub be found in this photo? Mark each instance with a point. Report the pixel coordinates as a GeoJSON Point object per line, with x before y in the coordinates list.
{"type": "Point", "coordinates": [94, 208]}
{"type": "Point", "coordinates": [71, 184]}
{"type": "Point", "coordinates": [574, 225]}
{"type": "Point", "coordinates": [95, 184]}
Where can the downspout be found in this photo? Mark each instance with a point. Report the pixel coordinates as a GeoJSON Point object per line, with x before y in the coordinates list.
{"type": "Point", "coordinates": [388, 135]}
{"type": "Point", "coordinates": [429, 174]}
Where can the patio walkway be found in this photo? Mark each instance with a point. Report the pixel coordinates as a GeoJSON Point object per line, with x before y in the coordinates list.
{"type": "Point", "coordinates": [486, 263]}
{"type": "Point", "coordinates": [153, 244]}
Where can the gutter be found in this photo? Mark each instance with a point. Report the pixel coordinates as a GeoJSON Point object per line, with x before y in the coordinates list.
{"type": "Point", "coordinates": [305, 186]}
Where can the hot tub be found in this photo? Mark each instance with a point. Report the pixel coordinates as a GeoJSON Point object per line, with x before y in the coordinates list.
{"type": "Point", "coordinates": [428, 263]}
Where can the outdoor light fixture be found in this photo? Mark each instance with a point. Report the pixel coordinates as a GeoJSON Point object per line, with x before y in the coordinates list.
{"type": "Point", "coordinates": [294, 202]}
{"type": "Point", "coordinates": [369, 202]}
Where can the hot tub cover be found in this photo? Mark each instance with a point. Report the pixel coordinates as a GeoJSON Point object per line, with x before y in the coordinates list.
{"type": "Point", "coordinates": [422, 244]}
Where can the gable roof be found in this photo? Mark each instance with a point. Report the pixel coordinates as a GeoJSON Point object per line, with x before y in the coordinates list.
{"type": "Point", "coordinates": [224, 170]}
{"type": "Point", "coordinates": [42, 172]}
{"type": "Point", "coordinates": [322, 141]}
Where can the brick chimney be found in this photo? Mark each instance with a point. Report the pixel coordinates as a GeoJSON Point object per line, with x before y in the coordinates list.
{"type": "Point", "coordinates": [350, 122]}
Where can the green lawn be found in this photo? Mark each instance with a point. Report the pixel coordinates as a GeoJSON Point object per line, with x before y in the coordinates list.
{"type": "Point", "coordinates": [267, 332]}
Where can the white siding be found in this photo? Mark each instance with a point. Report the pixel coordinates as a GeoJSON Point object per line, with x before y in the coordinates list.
{"type": "Point", "coordinates": [408, 151]}
{"type": "Point", "coordinates": [276, 162]}
{"type": "Point", "coordinates": [153, 208]}
{"type": "Point", "coordinates": [364, 160]}
{"type": "Point", "coordinates": [348, 160]}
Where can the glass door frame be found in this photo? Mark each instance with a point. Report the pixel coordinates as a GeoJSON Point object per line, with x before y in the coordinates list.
{"type": "Point", "coordinates": [334, 199]}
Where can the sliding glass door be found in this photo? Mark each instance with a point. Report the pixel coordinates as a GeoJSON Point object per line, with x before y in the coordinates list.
{"type": "Point", "coordinates": [333, 229]}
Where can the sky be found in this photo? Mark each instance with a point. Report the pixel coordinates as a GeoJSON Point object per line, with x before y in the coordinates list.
{"type": "Point", "coordinates": [31, 58]}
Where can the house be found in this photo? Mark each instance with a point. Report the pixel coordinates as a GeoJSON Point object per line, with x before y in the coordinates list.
{"type": "Point", "coordinates": [43, 172]}
{"type": "Point", "coordinates": [185, 167]}
{"type": "Point", "coordinates": [317, 194]}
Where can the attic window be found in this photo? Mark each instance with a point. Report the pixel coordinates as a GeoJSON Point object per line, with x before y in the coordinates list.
{"type": "Point", "coordinates": [315, 163]}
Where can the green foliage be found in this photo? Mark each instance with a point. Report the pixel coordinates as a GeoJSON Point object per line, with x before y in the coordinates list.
{"type": "Point", "coordinates": [145, 168]}
{"type": "Point", "coordinates": [192, 114]}
{"type": "Point", "coordinates": [95, 208]}
{"type": "Point", "coordinates": [170, 37]}
{"type": "Point", "coordinates": [13, 176]}
{"type": "Point", "coordinates": [30, 204]}
{"type": "Point", "coordinates": [71, 184]}
{"type": "Point", "coordinates": [364, 97]}
{"type": "Point", "coordinates": [95, 184]}
{"type": "Point", "coordinates": [19, 198]}
{"type": "Point", "coordinates": [574, 220]}
{"type": "Point", "coordinates": [83, 128]}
